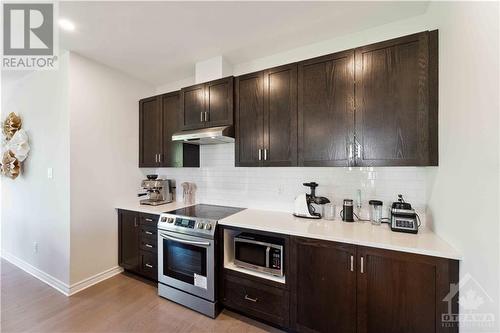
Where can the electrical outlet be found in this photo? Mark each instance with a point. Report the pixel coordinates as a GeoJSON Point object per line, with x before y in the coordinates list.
{"type": "Point", "coordinates": [35, 247]}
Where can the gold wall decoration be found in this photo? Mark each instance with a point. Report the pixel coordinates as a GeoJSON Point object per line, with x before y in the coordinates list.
{"type": "Point", "coordinates": [15, 147]}
{"type": "Point", "coordinates": [10, 165]}
{"type": "Point", "coordinates": [11, 125]}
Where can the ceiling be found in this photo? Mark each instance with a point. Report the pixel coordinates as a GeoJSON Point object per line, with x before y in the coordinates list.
{"type": "Point", "coordinates": [160, 42]}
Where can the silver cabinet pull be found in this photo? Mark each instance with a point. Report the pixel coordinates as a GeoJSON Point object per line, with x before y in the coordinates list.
{"type": "Point", "coordinates": [251, 299]}
{"type": "Point", "coordinates": [362, 265]}
{"type": "Point", "coordinates": [149, 245]}
{"type": "Point", "coordinates": [260, 154]}
{"type": "Point", "coordinates": [159, 157]}
{"type": "Point", "coordinates": [148, 233]}
{"type": "Point", "coordinates": [201, 116]}
{"type": "Point", "coordinates": [352, 263]}
{"type": "Point", "coordinates": [149, 220]}
{"type": "Point", "coordinates": [206, 116]}
{"type": "Point", "coordinates": [265, 154]}
{"type": "Point", "coordinates": [149, 266]}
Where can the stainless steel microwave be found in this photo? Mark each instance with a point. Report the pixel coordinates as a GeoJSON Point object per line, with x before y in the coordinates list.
{"type": "Point", "coordinates": [259, 253]}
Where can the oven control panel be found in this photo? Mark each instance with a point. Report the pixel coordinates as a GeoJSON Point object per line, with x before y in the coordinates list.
{"type": "Point", "coordinates": [187, 225]}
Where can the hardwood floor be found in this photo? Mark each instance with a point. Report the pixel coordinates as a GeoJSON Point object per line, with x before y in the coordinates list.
{"type": "Point", "coordinates": [123, 303]}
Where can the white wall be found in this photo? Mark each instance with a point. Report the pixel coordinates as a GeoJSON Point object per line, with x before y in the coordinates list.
{"type": "Point", "coordinates": [104, 127]}
{"type": "Point", "coordinates": [463, 191]}
{"type": "Point", "coordinates": [33, 207]}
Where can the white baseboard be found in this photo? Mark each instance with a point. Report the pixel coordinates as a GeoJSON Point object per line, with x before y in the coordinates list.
{"type": "Point", "coordinates": [57, 284]}
{"type": "Point", "coordinates": [39, 274]}
{"type": "Point", "coordinates": [84, 284]}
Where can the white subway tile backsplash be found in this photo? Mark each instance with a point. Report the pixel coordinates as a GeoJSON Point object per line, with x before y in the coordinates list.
{"type": "Point", "coordinates": [220, 182]}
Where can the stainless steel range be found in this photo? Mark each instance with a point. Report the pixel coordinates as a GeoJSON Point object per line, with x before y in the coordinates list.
{"type": "Point", "coordinates": [187, 248]}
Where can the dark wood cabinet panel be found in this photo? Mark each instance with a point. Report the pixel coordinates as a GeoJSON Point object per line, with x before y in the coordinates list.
{"type": "Point", "coordinates": [323, 286]}
{"type": "Point", "coordinates": [219, 102]}
{"type": "Point", "coordinates": [175, 154]}
{"type": "Point", "coordinates": [392, 102]}
{"type": "Point", "coordinates": [128, 240]}
{"type": "Point", "coordinates": [149, 132]}
{"type": "Point", "coordinates": [249, 109]}
{"type": "Point", "coordinates": [192, 107]}
{"type": "Point", "coordinates": [280, 116]}
{"type": "Point", "coordinates": [326, 109]}
{"type": "Point", "coordinates": [401, 292]}
{"type": "Point", "coordinates": [149, 264]}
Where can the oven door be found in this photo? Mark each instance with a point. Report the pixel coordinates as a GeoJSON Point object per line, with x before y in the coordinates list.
{"type": "Point", "coordinates": [186, 263]}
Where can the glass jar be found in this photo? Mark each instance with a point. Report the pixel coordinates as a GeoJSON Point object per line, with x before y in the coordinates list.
{"type": "Point", "coordinates": [329, 211]}
{"type": "Point", "coordinates": [376, 211]}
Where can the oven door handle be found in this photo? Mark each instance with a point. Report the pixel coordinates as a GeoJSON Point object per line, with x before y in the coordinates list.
{"type": "Point", "coordinates": [184, 241]}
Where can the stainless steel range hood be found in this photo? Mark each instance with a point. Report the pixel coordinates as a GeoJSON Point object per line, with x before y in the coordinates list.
{"type": "Point", "coordinates": [206, 136]}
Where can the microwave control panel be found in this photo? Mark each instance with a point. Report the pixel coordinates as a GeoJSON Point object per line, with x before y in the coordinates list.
{"type": "Point", "coordinates": [275, 258]}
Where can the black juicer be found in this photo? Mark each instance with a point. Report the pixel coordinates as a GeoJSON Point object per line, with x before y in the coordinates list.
{"type": "Point", "coordinates": [304, 203]}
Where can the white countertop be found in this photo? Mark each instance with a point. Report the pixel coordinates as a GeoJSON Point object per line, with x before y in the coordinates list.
{"type": "Point", "coordinates": [425, 242]}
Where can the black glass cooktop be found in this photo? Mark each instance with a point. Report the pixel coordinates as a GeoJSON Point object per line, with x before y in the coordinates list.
{"type": "Point", "coordinates": [209, 212]}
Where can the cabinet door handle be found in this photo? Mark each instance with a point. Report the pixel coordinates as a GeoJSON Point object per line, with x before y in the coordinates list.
{"type": "Point", "coordinates": [206, 116]}
{"type": "Point", "coordinates": [260, 154]}
{"type": "Point", "coordinates": [149, 245]}
{"type": "Point", "coordinates": [251, 299]}
{"type": "Point", "coordinates": [265, 154]}
{"type": "Point", "coordinates": [159, 157]}
{"type": "Point", "coordinates": [362, 265]}
{"type": "Point", "coordinates": [148, 232]}
{"type": "Point", "coordinates": [149, 266]}
{"type": "Point", "coordinates": [352, 263]}
{"type": "Point", "coordinates": [201, 116]}
{"type": "Point", "coordinates": [148, 219]}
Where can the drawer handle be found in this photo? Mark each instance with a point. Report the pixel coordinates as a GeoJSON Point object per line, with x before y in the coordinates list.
{"type": "Point", "coordinates": [148, 232]}
{"type": "Point", "coordinates": [251, 299]}
{"type": "Point", "coordinates": [149, 266]}
{"type": "Point", "coordinates": [149, 245]}
{"type": "Point", "coordinates": [149, 220]}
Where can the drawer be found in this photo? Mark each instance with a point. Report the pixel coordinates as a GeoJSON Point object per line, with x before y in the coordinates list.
{"type": "Point", "coordinates": [149, 264]}
{"type": "Point", "coordinates": [148, 219]}
{"type": "Point", "coordinates": [257, 300]}
{"type": "Point", "coordinates": [149, 245]}
{"type": "Point", "coordinates": [149, 232]}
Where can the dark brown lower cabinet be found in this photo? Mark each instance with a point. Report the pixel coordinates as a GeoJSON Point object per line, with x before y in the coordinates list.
{"type": "Point", "coordinates": [323, 279]}
{"type": "Point", "coordinates": [345, 288]}
{"type": "Point", "coordinates": [137, 243]}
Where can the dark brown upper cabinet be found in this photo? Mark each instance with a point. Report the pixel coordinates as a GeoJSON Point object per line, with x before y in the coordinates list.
{"type": "Point", "coordinates": [159, 118]}
{"type": "Point", "coordinates": [150, 132]}
{"type": "Point", "coordinates": [207, 104]}
{"type": "Point", "coordinates": [396, 102]}
{"type": "Point", "coordinates": [266, 117]}
{"type": "Point", "coordinates": [326, 110]}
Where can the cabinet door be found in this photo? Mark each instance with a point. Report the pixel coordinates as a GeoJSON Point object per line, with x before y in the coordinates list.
{"type": "Point", "coordinates": [219, 102]}
{"type": "Point", "coordinates": [175, 154]}
{"type": "Point", "coordinates": [401, 292]}
{"type": "Point", "coordinates": [280, 116]}
{"type": "Point", "coordinates": [393, 114]}
{"type": "Point", "coordinates": [326, 109]}
{"type": "Point", "coordinates": [249, 119]}
{"type": "Point", "coordinates": [128, 240]}
{"type": "Point", "coordinates": [149, 132]}
{"type": "Point", "coordinates": [193, 107]}
{"type": "Point", "coordinates": [323, 286]}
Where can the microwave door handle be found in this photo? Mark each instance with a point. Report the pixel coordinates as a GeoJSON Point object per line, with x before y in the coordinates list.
{"type": "Point", "coordinates": [268, 249]}
{"type": "Point", "coordinates": [184, 241]}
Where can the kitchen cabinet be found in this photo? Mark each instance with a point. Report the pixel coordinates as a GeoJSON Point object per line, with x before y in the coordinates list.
{"type": "Point", "coordinates": [396, 102]}
{"type": "Point", "coordinates": [207, 104]}
{"type": "Point", "coordinates": [400, 292]}
{"type": "Point", "coordinates": [150, 132]}
{"type": "Point", "coordinates": [159, 118]}
{"type": "Point", "coordinates": [266, 117]}
{"type": "Point", "coordinates": [326, 110]}
{"type": "Point", "coordinates": [346, 288]}
{"type": "Point", "coordinates": [137, 243]}
{"type": "Point", "coordinates": [128, 240]}
{"type": "Point", "coordinates": [323, 286]}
